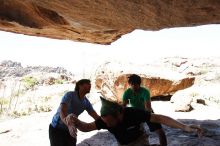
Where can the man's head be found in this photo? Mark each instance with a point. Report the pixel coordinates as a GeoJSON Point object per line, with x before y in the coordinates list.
{"type": "Point", "coordinates": [134, 81]}
{"type": "Point", "coordinates": [110, 112]}
{"type": "Point", "coordinates": [83, 85]}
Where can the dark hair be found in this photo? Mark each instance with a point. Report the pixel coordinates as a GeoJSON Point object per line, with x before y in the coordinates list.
{"type": "Point", "coordinates": [81, 82]}
{"type": "Point", "coordinates": [114, 112]}
{"type": "Point", "coordinates": [119, 110]}
{"type": "Point", "coordinates": [134, 79]}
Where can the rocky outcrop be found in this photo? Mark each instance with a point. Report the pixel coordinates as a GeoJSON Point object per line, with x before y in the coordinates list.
{"type": "Point", "coordinates": [182, 101]}
{"type": "Point", "coordinates": [9, 63]}
{"type": "Point", "coordinates": [15, 79]}
{"type": "Point", "coordinates": [9, 68]}
{"type": "Point", "coordinates": [112, 82]}
{"type": "Point", "coordinates": [186, 100]}
{"type": "Point", "coordinates": [102, 21]}
{"type": "Point", "coordinates": [207, 81]}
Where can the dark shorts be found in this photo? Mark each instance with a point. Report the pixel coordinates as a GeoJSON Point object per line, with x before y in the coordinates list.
{"type": "Point", "coordinates": [60, 137]}
{"type": "Point", "coordinates": [154, 126]}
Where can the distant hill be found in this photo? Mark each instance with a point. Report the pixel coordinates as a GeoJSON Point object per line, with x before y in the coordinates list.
{"type": "Point", "coordinates": [10, 68]}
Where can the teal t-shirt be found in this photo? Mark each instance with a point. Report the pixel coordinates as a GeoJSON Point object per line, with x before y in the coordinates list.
{"type": "Point", "coordinates": [74, 104]}
{"type": "Point", "coordinates": [138, 99]}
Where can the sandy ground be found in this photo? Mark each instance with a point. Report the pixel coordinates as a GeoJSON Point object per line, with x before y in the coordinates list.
{"type": "Point", "coordinates": [33, 130]}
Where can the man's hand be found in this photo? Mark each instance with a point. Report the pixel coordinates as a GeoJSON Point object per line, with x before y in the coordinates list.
{"type": "Point", "coordinates": [73, 131]}
{"type": "Point", "coordinates": [70, 119]}
{"type": "Point", "coordinates": [194, 128]}
{"type": "Point", "coordinates": [70, 122]}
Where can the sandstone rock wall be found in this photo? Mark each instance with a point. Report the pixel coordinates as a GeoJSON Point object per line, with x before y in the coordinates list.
{"type": "Point", "coordinates": [99, 21]}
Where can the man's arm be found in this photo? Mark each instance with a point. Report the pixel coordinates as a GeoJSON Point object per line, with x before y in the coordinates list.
{"type": "Point", "coordinates": [125, 103]}
{"type": "Point", "coordinates": [68, 120]}
{"type": "Point", "coordinates": [175, 124]}
{"type": "Point", "coordinates": [63, 114]}
{"type": "Point", "coordinates": [83, 126]}
{"type": "Point", "coordinates": [148, 105]}
{"type": "Point", "coordinates": [94, 115]}
{"type": "Point", "coordinates": [72, 121]}
{"type": "Point", "coordinates": [147, 102]}
{"type": "Point", "coordinates": [125, 98]}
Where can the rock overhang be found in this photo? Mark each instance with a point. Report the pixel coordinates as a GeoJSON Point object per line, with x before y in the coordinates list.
{"type": "Point", "coordinates": [102, 22]}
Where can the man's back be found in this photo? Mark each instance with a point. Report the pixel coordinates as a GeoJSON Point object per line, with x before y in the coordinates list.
{"type": "Point", "coordinates": [129, 129]}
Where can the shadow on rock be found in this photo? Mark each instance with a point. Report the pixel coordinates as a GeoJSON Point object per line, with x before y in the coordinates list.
{"type": "Point", "coordinates": [175, 137]}
{"type": "Point", "coordinates": [100, 139]}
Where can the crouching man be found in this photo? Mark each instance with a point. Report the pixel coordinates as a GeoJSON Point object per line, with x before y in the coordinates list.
{"type": "Point", "coordinates": [124, 123]}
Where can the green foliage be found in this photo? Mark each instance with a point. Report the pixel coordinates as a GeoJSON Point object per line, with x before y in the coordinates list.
{"type": "Point", "coordinates": [18, 93]}
{"type": "Point", "coordinates": [52, 81]}
{"type": "Point", "coordinates": [42, 108]}
{"type": "Point", "coordinates": [194, 94]}
{"type": "Point", "coordinates": [20, 113]}
{"type": "Point", "coordinates": [46, 98]}
{"type": "Point", "coordinates": [45, 109]}
{"type": "Point", "coordinates": [57, 81]}
{"type": "Point", "coordinates": [3, 101]}
{"type": "Point", "coordinates": [30, 82]}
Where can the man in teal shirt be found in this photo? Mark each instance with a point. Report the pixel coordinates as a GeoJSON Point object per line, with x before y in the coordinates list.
{"type": "Point", "coordinates": [139, 97]}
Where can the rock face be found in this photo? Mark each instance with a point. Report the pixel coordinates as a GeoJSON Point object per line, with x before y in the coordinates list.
{"type": "Point", "coordinates": [182, 101]}
{"type": "Point", "coordinates": [101, 21]}
{"type": "Point", "coordinates": [206, 86]}
{"type": "Point", "coordinates": [112, 81]}
{"type": "Point", "coordinates": [15, 79]}
{"type": "Point", "coordinates": [9, 68]}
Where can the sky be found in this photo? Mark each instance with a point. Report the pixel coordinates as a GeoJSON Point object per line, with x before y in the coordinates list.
{"type": "Point", "coordinates": [137, 47]}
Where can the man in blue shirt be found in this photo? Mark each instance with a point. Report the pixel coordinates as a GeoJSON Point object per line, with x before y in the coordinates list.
{"type": "Point", "coordinates": [61, 129]}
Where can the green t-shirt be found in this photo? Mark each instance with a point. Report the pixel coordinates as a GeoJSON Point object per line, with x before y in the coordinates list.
{"type": "Point", "coordinates": [138, 99]}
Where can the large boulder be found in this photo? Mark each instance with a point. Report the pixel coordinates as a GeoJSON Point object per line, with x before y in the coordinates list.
{"type": "Point", "coordinates": [182, 101]}
{"type": "Point", "coordinates": [111, 80]}
{"type": "Point", "coordinates": [188, 99]}
{"type": "Point", "coordinates": [102, 21]}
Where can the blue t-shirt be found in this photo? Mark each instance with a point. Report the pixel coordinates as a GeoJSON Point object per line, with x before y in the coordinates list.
{"type": "Point", "coordinates": [74, 104]}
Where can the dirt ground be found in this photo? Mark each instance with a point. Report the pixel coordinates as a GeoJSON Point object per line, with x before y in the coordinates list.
{"type": "Point", "coordinates": [33, 130]}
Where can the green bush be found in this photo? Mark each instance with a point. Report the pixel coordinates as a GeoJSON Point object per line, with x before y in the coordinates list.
{"type": "Point", "coordinates": [3, 101]}
{"type": "Point", "coordinates": [194, 94]}
{"type": "Point", "coordinates": [18, 114]}
{"type": "Point", "coordinates": [30, 82]}
{"type": "Point", "coordinates": [42, 108]}
{"type": "Point", "coordinates": [46, 98]}
{"type": "Point", "coordinates": [57, 81]}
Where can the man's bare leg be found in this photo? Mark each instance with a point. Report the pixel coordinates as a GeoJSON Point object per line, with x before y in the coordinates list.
{"type": "Point", "coordinates": [170, 122]}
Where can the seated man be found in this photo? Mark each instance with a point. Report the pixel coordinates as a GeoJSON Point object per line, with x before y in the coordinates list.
{"type": "Point", "coordinates": [139, 97]}
{"type": "Point", "coordinates": [124, 123]}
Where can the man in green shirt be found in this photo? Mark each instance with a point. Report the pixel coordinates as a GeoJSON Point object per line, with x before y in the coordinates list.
{"type": "Point", "coordinates": [139, 97]}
